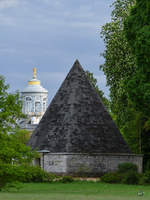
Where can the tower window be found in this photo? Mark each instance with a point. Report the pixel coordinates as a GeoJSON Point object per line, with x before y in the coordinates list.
{"type": "Point", "coordinates": [44, 106]}
{"type": "Point", "coordinates": [37, 107]}
{"type": "Point", "coordinates": [28, 104]}
{"type": "Point", "coordinates": [28, 99]}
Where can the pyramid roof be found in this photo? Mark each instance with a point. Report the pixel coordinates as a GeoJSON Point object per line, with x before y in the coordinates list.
{"type": "Point", "coordinates": [76, 120]}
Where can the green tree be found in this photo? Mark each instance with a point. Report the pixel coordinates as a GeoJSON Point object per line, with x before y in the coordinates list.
{"type": "Point", "coordinates": [21, 135]}
{"type": "Point", "coordinates": [137, 29]}
{"type": "Point", "coordinates": [119, 61]}
{"type": "Point", "coordinates": [12, 151]}
{"type": "Point", "coordinates": [10, 107]}
{"type": "Point", "coordinates": [119, 67]}
{"type": "Point", "coordinates": [93, 81]}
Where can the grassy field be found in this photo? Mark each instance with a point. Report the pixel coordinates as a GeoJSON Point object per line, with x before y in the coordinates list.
{"type": "Point", "coordinates": [77, 191]}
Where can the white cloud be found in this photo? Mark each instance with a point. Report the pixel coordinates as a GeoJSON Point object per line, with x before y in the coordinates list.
{"type": "Point", "coordinates": [8, 3]}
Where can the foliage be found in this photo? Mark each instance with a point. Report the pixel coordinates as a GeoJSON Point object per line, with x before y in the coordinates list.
{"type": "Point", "coordinates": [127, 167]}
{"type": "Point", "coordinates": [131, 178]}
{"type": "Point", "coordinates": [67, 179]}
{"type": "Point", "coordinates": [146, 177]}
{"type": "Point", "coordinates": [119, 61]}
{"type": "Point", "coordinates": [23, 173]}
{"type": "Point", "coordinates": [13, 152]}
{"type": "Point", "coordinates": [126, 173]}
{"type": "Point", "coordinates": [137, 29]}
{"type": "Point", "coordinates": [12, 165]}
{"type": "Point", "coordinates": [120, 67]}
{"type": "Point", "coordinates": [93, 81]}
{"type": "Point", "coordinates": [10, 107]}
{"type": "Point", "coordinates": [111, 177]}
{"type": "Point", "coordinates": [21, 135]}
{"type": "Point", "coordinates": [26, 174]}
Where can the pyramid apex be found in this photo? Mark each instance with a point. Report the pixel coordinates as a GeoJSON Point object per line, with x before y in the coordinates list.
{"type": "Point", "coordinates": [77, 65]}
{"type": "Point", "coordinates": [77, 62]}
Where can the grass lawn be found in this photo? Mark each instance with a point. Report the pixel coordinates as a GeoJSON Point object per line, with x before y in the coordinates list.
{"type": "Point", "coordinates": [77, 191]}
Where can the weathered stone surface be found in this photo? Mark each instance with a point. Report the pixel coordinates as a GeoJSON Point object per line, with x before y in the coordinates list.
{"type": "Point", "coordinates": [76, 121]}
{"type": "Point", "coordinates": [89, 164]}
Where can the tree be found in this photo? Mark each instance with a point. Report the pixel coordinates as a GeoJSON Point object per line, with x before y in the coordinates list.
{"type": "Point", "coordinates": [119, 61]}
{"type": "Point", "coordinates": [13, 152]}
{"type": "Point", "coordinates": [10, 108]}
{"type": "Point", "coordinates": [93, 81]}
{"type": "Point", "coordinates": [119, 67]}
{"type": "Point", "coordinates": [137, 29]}
{"type": "Point", "coordinates": [21, 135]}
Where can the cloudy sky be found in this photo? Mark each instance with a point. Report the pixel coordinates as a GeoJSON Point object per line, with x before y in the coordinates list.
{"type": "Point", "coordinates": [50, 35]}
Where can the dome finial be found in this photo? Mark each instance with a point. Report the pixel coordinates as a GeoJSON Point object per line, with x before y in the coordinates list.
{"type": "Point", "coordinates": [34, 72]}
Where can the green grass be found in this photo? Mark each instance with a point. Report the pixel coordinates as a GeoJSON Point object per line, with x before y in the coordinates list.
{"type": "Point", "coordinates": [77, 191]}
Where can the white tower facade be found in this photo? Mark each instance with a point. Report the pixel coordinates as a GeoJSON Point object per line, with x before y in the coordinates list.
{"type": "Point", "coordinates": [35, 101]}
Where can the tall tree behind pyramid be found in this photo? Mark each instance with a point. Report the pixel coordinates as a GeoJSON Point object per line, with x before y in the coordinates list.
{"type": "Point", "coordinates": [76, 121]}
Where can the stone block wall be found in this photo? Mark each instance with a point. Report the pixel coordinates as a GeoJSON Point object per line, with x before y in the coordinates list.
{"type": "Point", "coordinates": [90, 164]}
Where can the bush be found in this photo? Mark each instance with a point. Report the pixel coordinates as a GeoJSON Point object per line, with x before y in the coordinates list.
{"type": "Point", "coordinates": [33, 174]}
{"type": "Point", "coordinates": [126, 173]}
{"type": "Point", "coordinates": [131, 178]}
{"type": "Point", "coordinates": [7, 174]}
{"type": "Point", "coordinates": [127, 167]}
{"type": "Point", "coordinates": [23, 173]}
{"type": "Point", "coordinates": [111, 177]}
{"type": "Point", "coordinates": [67, 179]}
{"type": "Point", "coordinates": [146, 177]}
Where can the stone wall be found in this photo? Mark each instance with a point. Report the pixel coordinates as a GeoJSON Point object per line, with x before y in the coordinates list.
{"type": "Point", "coordinates": [90, 164]}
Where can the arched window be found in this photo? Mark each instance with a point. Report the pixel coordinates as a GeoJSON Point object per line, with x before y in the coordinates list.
{"type": "Point", "coordinates": [28, 99]}
{"type": "Point", "coordinates": [28, 104]}
{"type": "Point", "coordinates": [44, 106]}
{"type": "Point", "coordinates": [37, 107]}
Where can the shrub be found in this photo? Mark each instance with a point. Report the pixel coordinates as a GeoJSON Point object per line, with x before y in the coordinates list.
{"type": "Point", "coordinates": [126, 173]}
{"type": "Point", "coordinates": [67, 179]}
{"type": "Point", "coordinates": [7, 174]}
{"type": "Point", "coordinates": [33, 174]}
{"type": "Point", "coordinates": [23, 173]}
{"type": "Point", "coordinates": [146, 177]}
{"type": "Point", "coordinates": [131, 178]}
{"type": "Point", "coordinates": [127, 167]}
{"type": "Point", "coordinates": [111, 177]}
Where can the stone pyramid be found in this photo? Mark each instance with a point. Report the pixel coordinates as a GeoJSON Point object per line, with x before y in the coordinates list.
{"type": "Point", "coordinates": [76, 121]}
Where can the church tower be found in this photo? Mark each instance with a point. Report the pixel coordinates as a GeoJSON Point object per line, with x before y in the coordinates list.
{"type": "Point", "coordinates": [35, 99]}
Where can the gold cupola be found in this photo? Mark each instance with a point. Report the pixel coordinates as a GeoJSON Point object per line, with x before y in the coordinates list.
{"type": "Point", "coordinates": [34, 85]}
{"type": "Point", "coordinates": [34, 80]}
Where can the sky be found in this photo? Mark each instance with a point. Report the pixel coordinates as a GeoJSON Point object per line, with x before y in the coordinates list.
{"type": "Point", "coordinates": [50, 35]}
